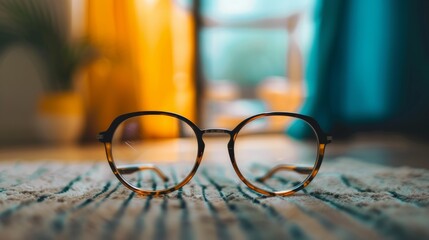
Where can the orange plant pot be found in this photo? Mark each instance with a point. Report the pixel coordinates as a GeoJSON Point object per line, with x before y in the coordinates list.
{"type": "Point", "coordinates": [60, 118]}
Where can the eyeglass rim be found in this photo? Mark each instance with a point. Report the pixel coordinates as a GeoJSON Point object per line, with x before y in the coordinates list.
{"type": "Point", "coordinates": [322, 138]}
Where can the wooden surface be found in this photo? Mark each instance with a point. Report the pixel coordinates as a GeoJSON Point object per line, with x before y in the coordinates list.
{"type": "Point", "coordinates": [71, 193]}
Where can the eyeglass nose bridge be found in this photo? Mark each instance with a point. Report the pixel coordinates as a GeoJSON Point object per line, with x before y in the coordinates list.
{"type": "Point", "coordinates": [216, 130]}
{"type": "Point", "coordinates": [220, 131]}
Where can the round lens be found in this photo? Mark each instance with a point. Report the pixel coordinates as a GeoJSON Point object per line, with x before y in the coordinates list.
{"type": "Point", "coordinates": [154, 152]}
{"type": "Point", "coordinates": [270, 158]}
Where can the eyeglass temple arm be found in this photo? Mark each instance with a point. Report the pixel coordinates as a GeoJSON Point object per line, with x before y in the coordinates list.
{"type": "Point", "coordinates": [285, 167]}
{"type": "Point", "coordinates": [132, 168]}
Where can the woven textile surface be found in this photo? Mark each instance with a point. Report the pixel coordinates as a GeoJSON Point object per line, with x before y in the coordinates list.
{"type": "Point", "coordinates": [347, 200]}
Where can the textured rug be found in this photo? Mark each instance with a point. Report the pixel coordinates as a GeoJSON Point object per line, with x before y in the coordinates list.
{"type": "Point", "coordinates": [347, 200]}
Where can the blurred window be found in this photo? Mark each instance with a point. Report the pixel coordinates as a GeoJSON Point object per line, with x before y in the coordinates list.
{"type": "Point", "coordinates": [253, 56]}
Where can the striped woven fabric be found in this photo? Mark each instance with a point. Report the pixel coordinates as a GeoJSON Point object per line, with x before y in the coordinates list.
{"type": "Point", "coordinates": [348, 199]}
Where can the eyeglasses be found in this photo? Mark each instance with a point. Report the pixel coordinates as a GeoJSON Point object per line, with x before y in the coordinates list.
{"type": "Point", "coordinates": [156, 152]}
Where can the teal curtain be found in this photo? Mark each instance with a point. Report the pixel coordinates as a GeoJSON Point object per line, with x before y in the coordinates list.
{"type": "Point", "coordinates": [369, 67]}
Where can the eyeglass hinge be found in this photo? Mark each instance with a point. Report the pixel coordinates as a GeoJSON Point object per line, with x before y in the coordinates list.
{"type": "Point", "coordinates": [100, 136]}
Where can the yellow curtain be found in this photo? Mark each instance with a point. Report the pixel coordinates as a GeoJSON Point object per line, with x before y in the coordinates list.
{"type": "Point", "coordinates": [147, 49]}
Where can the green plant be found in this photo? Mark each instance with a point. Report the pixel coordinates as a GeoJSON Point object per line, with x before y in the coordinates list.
{"type": "Point", "coordinates": [37, 25]}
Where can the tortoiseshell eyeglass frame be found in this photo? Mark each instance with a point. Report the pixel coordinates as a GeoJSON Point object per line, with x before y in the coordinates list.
{"type": "Point", "coordinates": [322, 140]}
